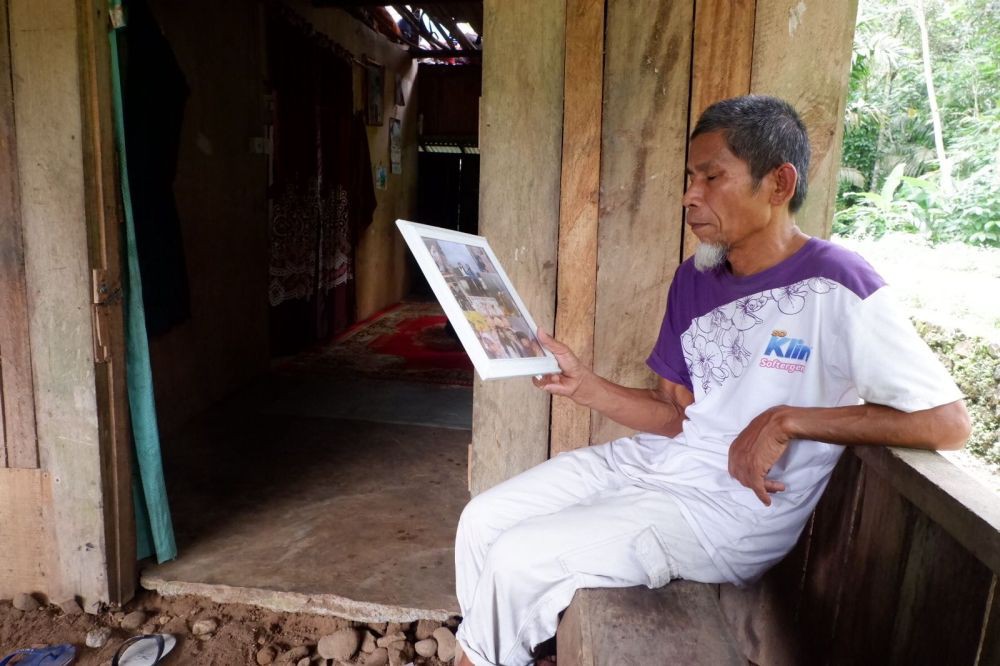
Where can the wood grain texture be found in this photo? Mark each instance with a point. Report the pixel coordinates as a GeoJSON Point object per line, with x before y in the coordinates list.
{"type": "Point", "coordinates": [104, 219]}
{"type": "Point", "coordinates": [967, 510]}
{"type": "Point", "coordinates": [644, 139]}
{"type": "Point", "coordinates": [943, 601]}
{"type": "Point", "coordinates": [18, 440]}
{"type": "Point", "coordinates": [789, 36]}
{"type": "Point", "coordinates": [871, 577]}
{"type": "Point", "coordinates": [578, 210]}
{"type": "Point", "coordinates": [832, 534]}
{"type": "Point", "coordinates": [521, 147]}
{"type": "Point", "coordinates": [48, 105]}
{"type": "Point", "coordinates": [679, 623]}
{"type": "Point", "coordinates": [28, 564]}
{"type": "Point", "coordinates": [721, 61]}
{"type": "Point", "coordinates": [989, 642]}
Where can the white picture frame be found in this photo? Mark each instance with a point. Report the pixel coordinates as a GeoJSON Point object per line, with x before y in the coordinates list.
{"type": "Point", "coordinates": [482, 305]}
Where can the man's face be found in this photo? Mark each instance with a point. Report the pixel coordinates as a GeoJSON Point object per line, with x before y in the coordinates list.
{"type": "Point", "coordinates": [723, 207]}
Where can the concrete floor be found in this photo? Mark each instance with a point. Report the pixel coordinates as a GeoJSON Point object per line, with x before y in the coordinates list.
{"type": "Point", "coordinates": [277, 504]}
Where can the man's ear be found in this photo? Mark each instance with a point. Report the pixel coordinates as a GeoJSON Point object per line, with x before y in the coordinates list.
{"type": "Point", "coordinates": [786, 177]}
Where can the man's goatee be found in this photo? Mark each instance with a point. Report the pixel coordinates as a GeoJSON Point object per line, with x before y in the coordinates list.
{"type": "Point", "coordinates": [709, 256]}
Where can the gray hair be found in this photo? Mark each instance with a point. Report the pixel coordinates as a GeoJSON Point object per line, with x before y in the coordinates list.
{"type": "Point", "coordinates": [765, 132]}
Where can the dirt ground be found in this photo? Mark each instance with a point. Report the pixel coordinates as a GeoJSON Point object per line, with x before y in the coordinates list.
{"type": "Point", "coordinates": [242, 631]}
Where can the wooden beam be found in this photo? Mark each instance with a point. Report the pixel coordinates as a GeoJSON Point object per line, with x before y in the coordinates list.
{"type": "Point", "coordinates": [442, 17]}
{"type": "Point", "coordinates": [721, 61]}
{"type": "Point", "coordinates": [46, 61]}
{"type": "Point", "coordinates": [521, 141]}
{"type": "Point", "coordinates": [421, 28]}
{"type": "Point", "coordinates": [104, 220]}
{"type": "Point", "coordinates": [28, 563]}
{"type": "Point", "coordinates": [579, 206]}
{"type": "Point", "coordinates": [18, 439]}
{"type": "Point", "coordinates": [818, 90]}
{"type": "Point", "coordinates": [644, 134]}
{"type": "Point", "coordinates": [446, 53]}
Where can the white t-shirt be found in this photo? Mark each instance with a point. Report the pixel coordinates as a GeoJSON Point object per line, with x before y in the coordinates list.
{"type": "Point", "coordinates": [820, 329]}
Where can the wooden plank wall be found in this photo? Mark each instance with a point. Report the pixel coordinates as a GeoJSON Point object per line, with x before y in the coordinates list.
{"type": "Point", "coordinates": [18, 442]}
{"type": "Point", "coordinates": [644, 138]}
{"type": "Point", "coordinates": [578, 210]}
{"type": "Point", "coordinates": [720, 68]}
{"type": "Point", "coordinates": [521, 147]}
{"type": "Point", "coordinates": [873, 580]}
{"type": "Point", "coordinates": [45, 58]}
{"type": "Point", "coordinates": [28, 563]}
{"type": "Point", "coordinates": [802, 53]}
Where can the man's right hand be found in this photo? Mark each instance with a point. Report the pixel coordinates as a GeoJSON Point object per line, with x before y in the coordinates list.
{"type": "Point", "coordinates": [574, 373]}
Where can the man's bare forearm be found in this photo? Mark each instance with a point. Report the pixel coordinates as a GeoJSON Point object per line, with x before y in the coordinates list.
{"type": "Point", "coordinates": [943, 427]}
{"type": "Point", "coordinates": [645, 410]}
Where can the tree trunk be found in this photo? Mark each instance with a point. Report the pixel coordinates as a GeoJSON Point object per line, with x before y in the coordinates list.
{"type": "Point", "coordinates": [946, 182]}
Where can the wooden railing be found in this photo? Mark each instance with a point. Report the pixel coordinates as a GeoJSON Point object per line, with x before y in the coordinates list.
{"type": "Point", "coordinates": [898, 565]}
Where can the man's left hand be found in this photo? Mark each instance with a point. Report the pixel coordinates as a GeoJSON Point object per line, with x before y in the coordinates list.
{"type": "Point", "coordinates": [755, 450]}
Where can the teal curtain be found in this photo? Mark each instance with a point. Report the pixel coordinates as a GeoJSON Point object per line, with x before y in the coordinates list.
{"type": "Point", "coordinates": [154, 528]}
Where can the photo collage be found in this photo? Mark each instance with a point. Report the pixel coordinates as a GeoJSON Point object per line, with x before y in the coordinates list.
{"type": "Point", "coordinates": [485, 300]}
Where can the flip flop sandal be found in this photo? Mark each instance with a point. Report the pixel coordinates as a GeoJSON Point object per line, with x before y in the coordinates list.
{"type": "Point", "coordinates": [144, 650]}
{"type": "Point", "coordinates": [53, 655]}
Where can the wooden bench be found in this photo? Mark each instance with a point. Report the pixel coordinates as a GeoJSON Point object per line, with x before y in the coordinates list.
{"type": "Point", "coordinates": [680, 623]}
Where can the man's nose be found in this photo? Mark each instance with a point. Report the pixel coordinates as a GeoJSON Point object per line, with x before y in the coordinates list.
{"type": "Point", "coordinates": [691, 196]}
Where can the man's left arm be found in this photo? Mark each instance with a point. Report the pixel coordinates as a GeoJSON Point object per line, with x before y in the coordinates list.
{"type": "Point", "coordinates": [765, 438]}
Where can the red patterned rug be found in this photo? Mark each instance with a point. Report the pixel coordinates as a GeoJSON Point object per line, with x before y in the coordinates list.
{"type": "Point", "coordinates": [407, 341]}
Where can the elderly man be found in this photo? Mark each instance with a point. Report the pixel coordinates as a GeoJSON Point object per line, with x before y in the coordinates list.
{"type": "Point", "coordinates": [776, 351]}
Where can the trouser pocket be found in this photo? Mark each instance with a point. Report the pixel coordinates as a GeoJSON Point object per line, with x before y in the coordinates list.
{"type": "Point", "coordinates": [635, 558]}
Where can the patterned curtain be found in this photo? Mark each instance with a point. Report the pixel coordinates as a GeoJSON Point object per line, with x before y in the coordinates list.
{"type": "Point", "coordinates": [321, 195]}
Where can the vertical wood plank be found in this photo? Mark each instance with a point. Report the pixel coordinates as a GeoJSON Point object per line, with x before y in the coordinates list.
{"type": "Point", "coordinates": [101, 198]}
{"type": "Point", "coordinates": [834, 528]}
{"type": "Point", "coordinates": [874, 571]}
{"type": "Point", "coordinates": [942, 603]}
{"type": "Point", "coordinates": [989, 642]}
{"type": "Point", "coordinates": [817, 89]}
{"type": "Point", "coordinates": [521, 148]}
{"type": "Point", "coordinates": [721, 61]}
{"type": "Point", "coordinates": [27, 564]}
{"type": "Point", "coordinates": [45, 57]}
{"type": "Point", "coordinates": [644, 138]}
{"type": "Point", "coordinates": [578, 210]}
{"type": "Point", "coordinates": [18, 441]}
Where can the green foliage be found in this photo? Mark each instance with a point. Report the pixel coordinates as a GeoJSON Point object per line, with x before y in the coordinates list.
{"type": "Point", "coordinates": [975, 365]}
{"type": "Point", "coordinates": [890, 178]}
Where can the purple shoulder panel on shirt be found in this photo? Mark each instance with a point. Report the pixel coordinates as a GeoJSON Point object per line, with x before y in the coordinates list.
{"type": "Point", "coordinates": [693, 294]}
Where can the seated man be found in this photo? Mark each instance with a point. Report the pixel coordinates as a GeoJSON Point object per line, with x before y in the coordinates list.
{"type": "Point", "coordinates": [770, 343]}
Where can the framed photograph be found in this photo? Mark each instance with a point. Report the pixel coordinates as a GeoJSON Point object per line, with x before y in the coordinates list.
{"type": "Point", "coordinates": [396, 145]}
{"type": "Point", "coordinates": [480, 301]}
{"type": "Point", "coordinates": [374, 92]}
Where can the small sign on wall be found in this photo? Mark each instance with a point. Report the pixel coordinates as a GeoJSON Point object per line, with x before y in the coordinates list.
{"type": "Point", "coordinates": [396, 145]}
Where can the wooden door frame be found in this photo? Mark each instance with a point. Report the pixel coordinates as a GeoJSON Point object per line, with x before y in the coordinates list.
{"type": "Point", "coordinates": [104, 238]}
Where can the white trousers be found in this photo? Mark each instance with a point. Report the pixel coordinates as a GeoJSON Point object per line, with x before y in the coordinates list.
{"type": "Point", "coordinates": [524, 547]}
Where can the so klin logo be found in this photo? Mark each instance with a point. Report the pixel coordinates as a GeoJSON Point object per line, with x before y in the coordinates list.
{"type": "Point", "coordinates": [781, 346]}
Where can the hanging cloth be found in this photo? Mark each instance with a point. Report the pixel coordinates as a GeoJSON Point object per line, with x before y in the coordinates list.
{"type": "Point", "coordinates": [154, 529]}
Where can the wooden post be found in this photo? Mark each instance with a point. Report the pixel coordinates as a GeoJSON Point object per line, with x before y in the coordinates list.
{"type": "Point", "coordinates": [104, 219]}
{"type": "Point", "coordinates": [578, 209]}
{"type": "Point", "coordinates": [18, 441]}
{"type": "Point", "coordinates": [521, 146]}
{"type": "Point", "coordinates": [721, 61]}
{"type": "Point", "coordinates": [787, 34]}
{"type": "Point", "coordinates": [644, 138]}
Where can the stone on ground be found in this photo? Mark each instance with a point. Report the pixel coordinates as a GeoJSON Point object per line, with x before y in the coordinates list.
{"type": "Point", "coordinates": [133, 620]}
{"type": "Point", "coordinates": [70, 607]}
{"type": "Point", "coordinates": [446, 643]}
{"type": "Point", "coordinates": [427, 647]}
{"type": "Point", "coordinates": [389, 639]}
{"type": "Point", "coordinates": [26, 602]}
{"type": "Point", "coordinates": [265, 655]}
{"type": "Point", "coordinates": [294, 654]}
{"type": "Point", "coordinates": [341, 644]}
{"type": "Point", "coordinates": [380, 657]}
{"type": "Point", "coordinates": [425, 629]}
{"type": "Point", "coordinates": [96, 638]}
{"type": "Point", "coordinates": [368, 643]}
{"type": "Point", "coordinates": [205, 627]}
